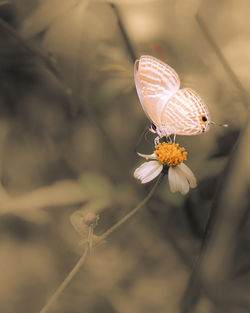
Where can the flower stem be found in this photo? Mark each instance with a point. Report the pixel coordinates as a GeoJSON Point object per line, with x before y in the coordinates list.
{"type": "Point", "coordinates": [132, 212]}
{"type": "Point", "coordinates": [89, 247]}
{"type": "Point", "coordinates": [66, 281]}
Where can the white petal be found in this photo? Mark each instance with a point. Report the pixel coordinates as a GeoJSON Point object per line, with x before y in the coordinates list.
{"type": "Point", "coordinates": [189, 174]}
{"type": "Point", "coordinates": [148, 171]}
{"type": "Point", "coordinates": [177, 180]}
{"type": "Point", "coordinates": [148, 156]}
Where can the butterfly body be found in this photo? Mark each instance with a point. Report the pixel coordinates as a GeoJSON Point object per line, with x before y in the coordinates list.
{"type": "Point", "coordinates": [171, 110]}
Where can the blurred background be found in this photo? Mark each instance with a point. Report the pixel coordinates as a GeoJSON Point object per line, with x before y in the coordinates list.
{"type": "Point", "coordinates": [70, 121]}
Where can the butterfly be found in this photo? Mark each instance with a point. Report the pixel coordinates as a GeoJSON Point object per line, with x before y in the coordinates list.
{"type": "Point", "coordinates": [170, 109]}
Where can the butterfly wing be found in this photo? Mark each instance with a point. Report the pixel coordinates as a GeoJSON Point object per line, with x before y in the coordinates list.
{"type": "Point", "coordinates": [155, 83]}
{"type": "Point", "coordinates": [185, 114]}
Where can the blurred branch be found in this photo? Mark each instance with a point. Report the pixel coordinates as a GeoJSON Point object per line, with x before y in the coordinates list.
{"type": "Point", "coordinates": [46, 60]}
{"type": "Point", "coordinates": [4, 129]}
{"type": "Point", "coordinates": [222, 59]}
{"type": "Point", "coordinates": [12, 32]}
{"type": "Point", "coordinates": [118, 157]}
{"type": "Point", "coordinates": [82, 6]}
{"type": "Point", "coordinates": [45, 13]}
{"type": "Point", "coordinates": [3, 2]}
{"type": "Point", "coordinates": [212, 267]}
{"type": "Point", "coordinates": [65, 192]}
{"type": "Point", "coordinates": [50, 62]}
{"type": "Point", "coordinates": [219, 246]}
{"type": "Point", "coordinates": [180, 251]}
{"type": "Point", "coordinates": [124, 33]}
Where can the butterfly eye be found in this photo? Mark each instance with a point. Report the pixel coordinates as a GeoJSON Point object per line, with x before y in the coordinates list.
{"type": "Point", "coordinates": [203, 119]}
{"type": "Point", "coordinates": [153, 127]}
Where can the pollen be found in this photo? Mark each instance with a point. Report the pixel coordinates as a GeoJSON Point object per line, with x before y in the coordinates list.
{"type": "Point", "coordinates": [170, 154]}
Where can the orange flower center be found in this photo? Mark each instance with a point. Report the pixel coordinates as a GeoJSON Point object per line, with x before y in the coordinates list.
{"type": "Point", "coordinates": [170, 153]}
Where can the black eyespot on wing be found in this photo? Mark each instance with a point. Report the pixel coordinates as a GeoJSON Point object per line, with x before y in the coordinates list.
{"type": "Point", "coordinates": [204, 118]}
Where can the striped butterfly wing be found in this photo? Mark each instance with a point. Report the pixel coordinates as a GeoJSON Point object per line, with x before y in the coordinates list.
{"type": "Point", "coordinates": [185, 114]}
{"type": "Point", "coordinates": [155, 83]}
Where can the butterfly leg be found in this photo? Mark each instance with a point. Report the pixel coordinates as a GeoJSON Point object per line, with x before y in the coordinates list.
{"type": "Point", "coordinates": [157, 140]}
{"type": "Point", "coordinates": [168, 138]}
{"type": "Point", "coordinates": [174, 137]}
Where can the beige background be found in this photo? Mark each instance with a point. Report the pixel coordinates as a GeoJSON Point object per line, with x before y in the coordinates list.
{"type": "Point", "coordinates": [70, 120]}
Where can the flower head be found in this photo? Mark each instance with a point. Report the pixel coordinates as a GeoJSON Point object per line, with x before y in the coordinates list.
{"type": "Point", "coordinates": [171, 155]}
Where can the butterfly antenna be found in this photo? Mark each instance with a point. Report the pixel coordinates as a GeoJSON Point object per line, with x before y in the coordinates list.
{"type": "Point", "coordinates": [146, 137]}
{"type": "Point", "coordinates": [143, 135]}
{"type": "Point", "coordinates": [223, 125]}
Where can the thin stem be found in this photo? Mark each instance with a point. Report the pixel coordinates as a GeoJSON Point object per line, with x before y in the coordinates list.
{"type": "Point", "coordinates": [12, 32]}
{"type": "Point", "coordinates": [90, 238]}
{"type": "Point", "coordinates": [132, 212]}
{"type": "Point", "coordinates": [79, 264]}
{"type": "Point", "coordinates": [124, 33]}
{"type": "Point", "coordinates": [222, 59]}
{"type": "Point", "coordinates": [66, 281]}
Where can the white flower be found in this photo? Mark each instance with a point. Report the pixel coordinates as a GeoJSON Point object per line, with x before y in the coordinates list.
{"type": "Point", "coordinates": [148, 171]}
{"type": "Point", "coordinates": [180, 177]}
